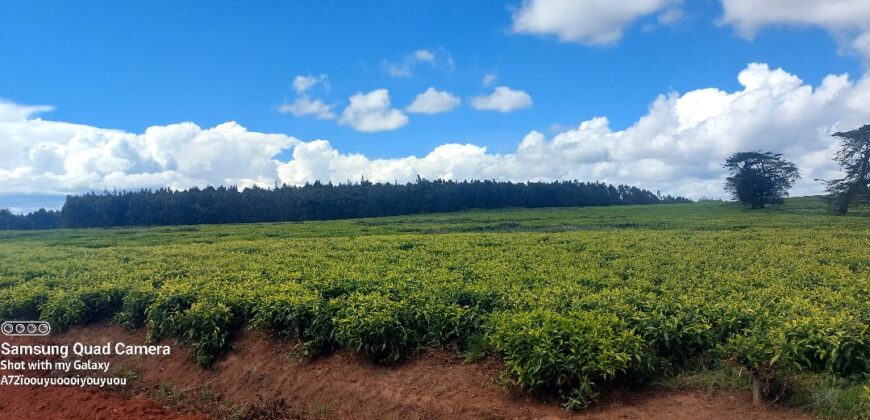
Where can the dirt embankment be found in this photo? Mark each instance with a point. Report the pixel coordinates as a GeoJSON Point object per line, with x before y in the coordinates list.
{"type": "Point", "coordinates": [260, 378]}
{"type": "Point", "coordinates": [75, 403]}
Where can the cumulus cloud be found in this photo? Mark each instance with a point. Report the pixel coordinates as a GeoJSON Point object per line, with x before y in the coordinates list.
{"type": "Point", "coordinates": [437, 59]}
{"type": "Point", "coordinates": [433, 101]}
{"type": "Point", "coordinates": [677, 147]}
{"type": "Point", "coordinates": [305, 106]}
{"type": "Point", "coordinates": [302, 84]}
{"type": "Point", "coordinates": [10, 111]}
{"type": "Point", "coordinates": [502, 99]}
{"type": "Point", "coordinates": [847, 20]}
{"type": "Point", "coordinates": [372, 112]}
{"type": "Point", "coordinates": [598, 22]}
{"type": "Point", "coordinates": [591, 22]}
{"type": "Point", "coordinates": [49, 157]}
{"type": "Point", "coordinates": [318, 160]}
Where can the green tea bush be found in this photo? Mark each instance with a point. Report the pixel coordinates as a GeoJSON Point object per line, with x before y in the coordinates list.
{"type": "Point", "coordinates": [571, 354]}
{"type": "Point", "coordinates": [483, 299]}
{"type": "Point", "coordinates": [65, 308]}
{"type": "Point", "coordinates": [731, 315]}
{"type": "Point", "coordinates": [440, 323]}
{"type": "Point", "coordinates": [335, 288]}
{"type": "Point", "coordinates": [760, 350]}
{"type": "Point", "coordinates": [675, 329]}
{"type": "Point", "coordinates": [571, 299]}
{"type": "Point", "coordinates": [375, 325]}
{"type": "Point", "coordinates": [133, 312]}
{"type": "Point", "coordinates": [206, 326]}
{"type": "Point", "coordinates": [165, 314]}
{"type": "Point", "coordinates": [294, 311]}
{"type": "Point", "coordinates": [837, 343]}
{"type": "Point", "coordinates": [22, 302]}
{"type": "Point", "coordinates": [834, 343]}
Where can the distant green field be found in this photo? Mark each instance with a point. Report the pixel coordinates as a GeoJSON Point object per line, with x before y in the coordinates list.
{"type": "Point", "coordinates": [575, 300]}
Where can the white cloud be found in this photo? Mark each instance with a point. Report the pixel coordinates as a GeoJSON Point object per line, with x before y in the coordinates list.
{"type": "Point", "coordinates": [424, 56]}
{"type": "Point", "coordinates": [10, 111]}
{"type": "Point", "coordinates": [433, 101]}
{"type": "Point", "coordinates": [670, 16]}
{"type": "Point", "coordinates": [847, 20]}
{"type": "Point", "coordinates": [503, 99]}
{"type": "Point", "coordinates": [49, 157]}
{"type": "Point", "coordinates": [489, 79]}
{"type": "Point", "coordinates": [592, 22]}
{"type": "Point", "coordinates": [304, 106]}
{"type": "Point", "coordinates": [319, 160]}
{"type": "Point", "coordinates": [832, 14]}
{"type": "Point", "coordinates": [677, 147]}
{"type": "Point", "coordinates": [600, 22]}
{"type": "Point", "coordinates": [398, 69]}
{"type": "Point", "coordinates": [438, 59]}
{"type": "Point", "coordinates": [862, 44]}
{"type": "Point", "coordinates": [371, 112]}
{"type": "Point", "coordinates": [302, 84]}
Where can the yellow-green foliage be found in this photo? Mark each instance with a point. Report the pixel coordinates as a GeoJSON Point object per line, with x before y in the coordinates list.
{"type": "Point", "coordinates": [571, 298]}
{"type": "Point", "coordinates": [567, 352]}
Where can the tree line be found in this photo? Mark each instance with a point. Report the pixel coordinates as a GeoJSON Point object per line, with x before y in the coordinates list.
{"type": "Point", "coordinates": [319, 201]}
{"type": "Point", "coordinates": [40, 219]}
{"type": "Point", "coordinates": [757, 178]}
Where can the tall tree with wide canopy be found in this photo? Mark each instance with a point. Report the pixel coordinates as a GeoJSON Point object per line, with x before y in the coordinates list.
{"type": "Point", "coordinates": [759, 178]}
{"type": "Point", "coordinates": [854, 160]}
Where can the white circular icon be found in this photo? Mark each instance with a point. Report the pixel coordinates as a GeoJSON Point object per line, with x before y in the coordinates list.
{"type": "Point", "coordinates": [32, 328]}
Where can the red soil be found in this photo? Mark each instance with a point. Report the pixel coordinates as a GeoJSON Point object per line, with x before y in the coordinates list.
{"type": "Point", "coordinates": [77, 403]}
{"type": "Point", "coordinates": [260, 372]}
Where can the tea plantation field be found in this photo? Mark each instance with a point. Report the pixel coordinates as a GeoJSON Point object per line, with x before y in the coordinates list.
{"type": "Point", "coordinates": [574, 300]}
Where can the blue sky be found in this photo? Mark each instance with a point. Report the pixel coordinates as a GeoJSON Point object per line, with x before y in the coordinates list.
{"type": "Point", "coordinates": [133, 65]}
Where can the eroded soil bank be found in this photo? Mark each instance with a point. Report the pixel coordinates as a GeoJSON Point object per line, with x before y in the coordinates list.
{"type": "Point", "coordinates": [261, 378]}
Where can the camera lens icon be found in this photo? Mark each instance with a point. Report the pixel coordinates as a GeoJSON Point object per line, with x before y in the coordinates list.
{"type": "Point", "coordinates": [25, 328]}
